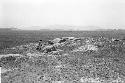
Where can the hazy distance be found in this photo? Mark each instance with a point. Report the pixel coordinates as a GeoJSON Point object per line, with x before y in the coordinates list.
{"type": "Point", "coordinates": [52, 14]}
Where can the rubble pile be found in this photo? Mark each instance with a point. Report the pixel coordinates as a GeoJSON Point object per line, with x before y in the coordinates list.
{"type": "Point", "coordinates": [69, 42]}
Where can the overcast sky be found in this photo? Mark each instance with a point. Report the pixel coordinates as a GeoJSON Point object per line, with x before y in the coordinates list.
{"type": "Point", "coordinates": [26, 13]}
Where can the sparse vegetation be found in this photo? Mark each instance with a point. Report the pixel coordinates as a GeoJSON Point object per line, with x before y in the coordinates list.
{"type": "Point", "coordinates": [89, 60]}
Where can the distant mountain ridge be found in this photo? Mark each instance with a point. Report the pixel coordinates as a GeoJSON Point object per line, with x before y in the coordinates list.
{"type": "Point", "coordinates": [61, 28]}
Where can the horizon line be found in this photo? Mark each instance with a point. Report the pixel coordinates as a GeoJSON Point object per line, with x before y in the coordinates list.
{"type": "Point", "coordinates": [16, 29]}
{"type": "Point", "coordinates": [46, 28]}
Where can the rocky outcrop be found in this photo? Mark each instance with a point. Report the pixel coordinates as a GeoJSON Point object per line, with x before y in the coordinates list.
{"type": "Point", "coordinates": [70, 42]}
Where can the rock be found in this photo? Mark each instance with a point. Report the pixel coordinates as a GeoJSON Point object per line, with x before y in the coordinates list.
{"type": "Point", "coordinates": [77, 39]}
{"type": "Point", "coordinates": [48, 49]}
{"type": "Point", "coordinates": [7, 55]}
{"type": "Point", "coordinates": [62, 41]}
{"type": "Point", "coordinates": [113, 39]}
{"type": "Point", "coordinates": [50, 42]}
{"type": "Point", "coordinates": [68, 38]}
{"type": "Point", "coordinates": [92, 47]}
{"type": "Point", "coordinates": [86, 48]}
{"type": "Point", "coordinates": [39, 45]}
{"type": "Point", "coordinates": [56, 40]}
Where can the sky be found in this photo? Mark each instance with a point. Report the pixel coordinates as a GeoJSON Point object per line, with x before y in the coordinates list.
{"type": "Point", "coordinates": [24, 14]}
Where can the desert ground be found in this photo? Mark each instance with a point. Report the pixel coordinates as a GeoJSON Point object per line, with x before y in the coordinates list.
{"type": "Point", "coordinates": [62, 56]}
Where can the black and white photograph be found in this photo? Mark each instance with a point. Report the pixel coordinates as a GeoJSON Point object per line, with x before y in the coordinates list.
{"type": "Point", "coordinates": [62, 41]}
